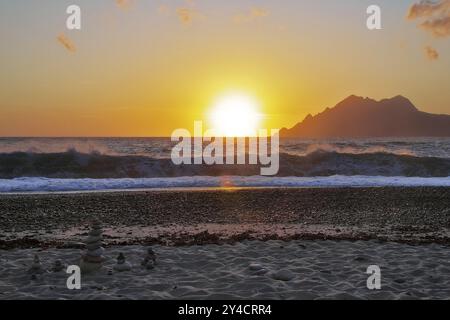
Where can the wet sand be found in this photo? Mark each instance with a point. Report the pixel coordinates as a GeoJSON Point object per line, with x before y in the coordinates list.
{"type": "Point", "coordinates": [186, 217]}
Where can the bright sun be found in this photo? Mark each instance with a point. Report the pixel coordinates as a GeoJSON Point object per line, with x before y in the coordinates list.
{"type": "Point", "coordinates": [235, 115]}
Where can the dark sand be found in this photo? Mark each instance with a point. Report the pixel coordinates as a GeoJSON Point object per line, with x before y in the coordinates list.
{"type": "Point", "coordinates": [181, 217]}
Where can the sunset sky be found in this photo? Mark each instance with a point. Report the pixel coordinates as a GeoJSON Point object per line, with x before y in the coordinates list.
{"type": "Point", "coordinates": [148, 67]}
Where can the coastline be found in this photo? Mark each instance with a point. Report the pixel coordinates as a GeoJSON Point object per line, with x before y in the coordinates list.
{"type": "Point", "coordinates": [39, 185]}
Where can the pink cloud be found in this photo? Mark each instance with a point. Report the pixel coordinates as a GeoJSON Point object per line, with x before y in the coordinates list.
{"type": "Point", "coordinates": [431, 53]}
{"type": "Point", "coordinates": [66, 42]}
{"type": "Point", "coordinates": [434, 16]}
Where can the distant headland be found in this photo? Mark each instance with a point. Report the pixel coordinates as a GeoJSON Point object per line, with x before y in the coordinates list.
{"type": "Point", "coordinates": [360, 117]}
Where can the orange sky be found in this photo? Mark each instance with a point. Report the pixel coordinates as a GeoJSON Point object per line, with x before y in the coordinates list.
{"type": "Point", "coordinates": [151, 67]}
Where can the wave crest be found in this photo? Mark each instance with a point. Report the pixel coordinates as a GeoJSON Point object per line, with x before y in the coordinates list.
{"type": "Point", "coordinates": [74, 164]}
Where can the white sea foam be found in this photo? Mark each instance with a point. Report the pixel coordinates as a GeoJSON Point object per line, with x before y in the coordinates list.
{"type": "Point", "coordinates": [67, 185]}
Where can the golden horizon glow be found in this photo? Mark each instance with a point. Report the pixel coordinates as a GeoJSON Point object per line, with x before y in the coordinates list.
{"type": "Point", "coordinates": [235, 115]}
{"type": "Point", "coordinates": [143, 71]}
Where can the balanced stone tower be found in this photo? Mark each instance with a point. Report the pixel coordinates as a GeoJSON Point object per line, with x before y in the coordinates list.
{"type": "Point", "coordinates": [36, 268]}
{"type": "Point", "coordinates": [93, 259]}
{"type": "Point", "coordinates": [149, 260]}
{"type": "Point", "coordinates": [122, 265]}
{"type": "Point", "coordinates": [58, 266]}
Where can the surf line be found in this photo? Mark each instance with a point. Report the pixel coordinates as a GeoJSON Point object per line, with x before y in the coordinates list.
{"type": "Point", "coordinates": [206, 148]}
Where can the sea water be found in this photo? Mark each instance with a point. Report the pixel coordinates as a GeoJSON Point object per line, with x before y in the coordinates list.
{"type": "Point", "coordinates": [86, 164]}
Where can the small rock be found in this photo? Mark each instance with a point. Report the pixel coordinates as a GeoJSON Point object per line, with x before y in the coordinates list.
{"type": "Point", "coordinates": [261, 272]}
{"type": "Point", "coordinates": [360, 259]}
{"type": "Point", "coordinates": [400, 281]}
{"type": "Point", "coordinates": [283, 275]}
{"type": "Point", "coordinates": [255, 267]}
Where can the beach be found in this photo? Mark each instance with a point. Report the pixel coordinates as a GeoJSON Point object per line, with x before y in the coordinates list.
{"type": "Point", "coordinates": [245, 270]}
{"type": "Point", "coordinates": [286, 243]}
{"type": "Point", "coordinates": [215, 216]}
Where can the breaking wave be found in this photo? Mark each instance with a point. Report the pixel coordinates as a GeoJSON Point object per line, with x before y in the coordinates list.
{"type": "Point", "coordinates": [73, 164]}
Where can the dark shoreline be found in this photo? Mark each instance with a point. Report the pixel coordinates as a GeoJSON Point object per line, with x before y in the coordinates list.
{"type": "Point", "coordinates": [412, 215]}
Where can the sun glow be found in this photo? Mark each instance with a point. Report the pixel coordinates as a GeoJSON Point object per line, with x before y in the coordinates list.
{"type": "Point", "coordinates": [235, 115]}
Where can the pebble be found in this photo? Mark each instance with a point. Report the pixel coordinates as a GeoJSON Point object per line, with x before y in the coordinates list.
{"type": "Point", "coordinates": [256, 267]}
{"type": "Point", "coordinates": [283, 275]}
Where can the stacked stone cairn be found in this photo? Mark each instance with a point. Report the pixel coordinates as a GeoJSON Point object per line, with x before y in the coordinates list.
{"type": "Point", "coordinates": [36, 268]}
{"type": "Point", "coordinates": [149, 260]}
{"type": "Point", "coordinates": [58, 266]}
{"type": "Point", "coordinates": [93, 259]}
{"type": "Point", "coordinates": [122, 265]}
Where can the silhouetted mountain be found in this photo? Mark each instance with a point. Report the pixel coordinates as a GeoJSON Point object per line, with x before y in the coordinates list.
{"type": "Point", "coordinates": [365, 117]}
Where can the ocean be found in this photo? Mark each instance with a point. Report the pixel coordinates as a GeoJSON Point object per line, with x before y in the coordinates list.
{"type": "Point", "coordinates": [96, 164]}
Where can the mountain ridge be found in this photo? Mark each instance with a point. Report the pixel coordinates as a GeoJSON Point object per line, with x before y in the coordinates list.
{"type": "Point", "coordinates": [359, 117]}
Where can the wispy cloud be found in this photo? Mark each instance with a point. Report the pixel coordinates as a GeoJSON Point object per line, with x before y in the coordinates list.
{"type": "Point", "coordinates": [439, 28]}
{"type": "Point", "coordinates": [434, 16]}
{"type": "Point", "coordinates": [66, 42]}
{"type": "Point", "coordinates": [164, 9]}
{"type": "Point", "coordinates": [427, 8]}
{"type": "Point", "coordinates": [431, 53]}
{"type": "Point", "coordinates": [124, 4]}
{"type": "Point", "coordinates": [186, 14]}
{"type": "Point", "coordinates": [250, 15]}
